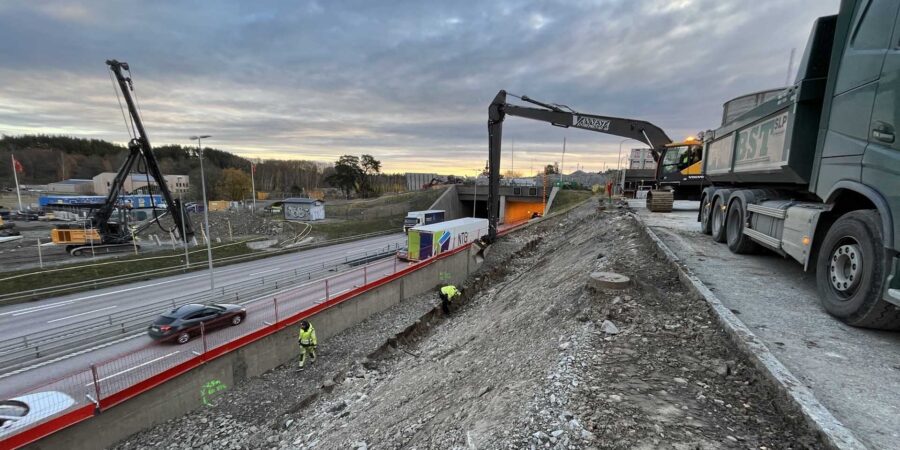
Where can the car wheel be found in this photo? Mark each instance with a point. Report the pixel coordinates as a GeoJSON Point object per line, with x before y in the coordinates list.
{"type": "Point", "coordinates": [183, 338]}
{"type": "Point", "coordinates": [850, 272]}
{"type": "Point", "coordinates": [738, 242]}
{"type": "Point", "coordinates": [705, 219]}
{"type": "Point", "coordinates": [78, 252]}
{"type": "Point", "coordinates": [718, 220]}
{"type": "Point", "coordinates": [236, 320]}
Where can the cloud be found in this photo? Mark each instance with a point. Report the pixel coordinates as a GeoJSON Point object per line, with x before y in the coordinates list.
{"type": "Point", "coordinates": [409, 82]}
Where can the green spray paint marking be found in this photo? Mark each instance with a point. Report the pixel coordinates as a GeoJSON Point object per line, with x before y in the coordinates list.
{"type": "Point", "coordinates": [210, 390]}
{"type": "Point", "coordinates": [445, 276]}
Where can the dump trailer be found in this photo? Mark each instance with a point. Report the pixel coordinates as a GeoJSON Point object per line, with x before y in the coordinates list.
{"type": "Point", "coordinates": [814, 173]}
{"type": "Point", "coordinates": [416, 218]}
{"type": "Point", "coordinates": [425, 241]}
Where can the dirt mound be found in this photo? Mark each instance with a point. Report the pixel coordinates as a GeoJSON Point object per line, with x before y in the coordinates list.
{"type": "Point", "coordinates": [535, 358]}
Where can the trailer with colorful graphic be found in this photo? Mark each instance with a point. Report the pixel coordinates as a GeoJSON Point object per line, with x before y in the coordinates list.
{"type": "Point", "coordinates": [425, 241]}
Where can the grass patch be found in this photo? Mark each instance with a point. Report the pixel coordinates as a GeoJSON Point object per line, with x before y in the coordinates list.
{"type": "Point", "coordinates": [343, 229]}
{"type": "Point", "coordinates": [568, 197]}
{"type": "Point", "coordinates": [388, 206]}
{"type": "Point", "coordinates": [122, 265]}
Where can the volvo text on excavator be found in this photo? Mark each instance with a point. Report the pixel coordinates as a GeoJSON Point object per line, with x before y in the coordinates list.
{"type": "Point", "coordinates": [678, 174]}
{"type": "Point", "coordinates": [104, 233]}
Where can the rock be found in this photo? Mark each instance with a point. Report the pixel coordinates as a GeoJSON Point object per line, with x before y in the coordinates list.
{"type": "Point", "coordinates": [679, 380]}
{"type": "Point", "coordinates": [337, 407]}
{"type": "Point", "coordinates": [587, 435]}
{"type": "Point", "coordinates": [288, 423]}
{"type": "Point", "coordinates": [722, 370]}
{"type": "Point", "coordinates": [556, 433]}
{"type": "Point", "coordinates": [552, 399]}
{"type": "Point", "coordinates": [615, 398]}
{"type": "Point", "coordinates": [540, 436]}
{"type": "Point", "coordinates": [731, 438]}
{"type": "Point", "coordinates": [360, 445]}
{"type": "Point", "coordinates": [609, 327]}
{"type": "Point", "coordinates": [328, 386]}
{"type": "Point", "coordinates": [564, 345]}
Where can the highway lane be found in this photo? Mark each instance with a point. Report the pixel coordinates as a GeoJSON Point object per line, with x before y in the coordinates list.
{"type": "Point", "coordinates": [25, 318]}
{"type": "Point", "coordinates": [136, 356]}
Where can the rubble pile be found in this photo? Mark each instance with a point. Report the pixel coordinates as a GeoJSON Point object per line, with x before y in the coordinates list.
{"type": "Point", "coordinates": [537, 357]}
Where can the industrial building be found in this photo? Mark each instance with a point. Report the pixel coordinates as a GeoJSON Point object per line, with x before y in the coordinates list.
{"type": "Point", "coordinates": [72, 186]}
{"type": "Point", "coordinates": [306, 209]}
{"type": "Point", "coordinates": [177, 184]}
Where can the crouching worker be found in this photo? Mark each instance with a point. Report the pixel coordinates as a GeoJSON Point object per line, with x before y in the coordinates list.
{"type": "Point", "coordinates": [449, 294]}
{"type": "Point", "coordinates": [307, 341]}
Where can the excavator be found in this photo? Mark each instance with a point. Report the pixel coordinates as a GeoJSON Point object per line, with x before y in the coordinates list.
{"type": "Point", "coordinates": [678, 168]}
{"type": "Point", "coordinates": [105, 233]}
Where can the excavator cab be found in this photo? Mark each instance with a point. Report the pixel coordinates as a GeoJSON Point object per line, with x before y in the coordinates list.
{"type": "Point", "coordinates": [680, 166]}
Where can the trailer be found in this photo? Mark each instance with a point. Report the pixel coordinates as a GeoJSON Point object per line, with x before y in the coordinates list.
{"type": "Point", "coordinates": [814, 173]}
{"type": "Point", "coordinates": [416, 218]}
{"type": "Point", "coordinates": [425, 241]}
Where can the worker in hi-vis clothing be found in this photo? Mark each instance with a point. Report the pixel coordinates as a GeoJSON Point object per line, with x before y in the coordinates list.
{"type": "Point", "coordinates": [448, 293]}
{"type": "Point", "coordinates": [307, 341]}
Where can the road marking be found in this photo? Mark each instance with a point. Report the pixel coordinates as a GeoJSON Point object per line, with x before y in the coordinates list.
{"type": "Point", "coordinates": [71, 355]}
{"type": "Point", "coordinates": [81, 314]}
{"type": "Point", "coordinates": [32, 309]}
{"type": "Point", "coordinates": [264, 271]}
{"type": "Point", "coordinates": [135, 367]}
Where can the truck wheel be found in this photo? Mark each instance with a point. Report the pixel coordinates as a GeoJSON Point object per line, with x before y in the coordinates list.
{"type": "Point", "coordinates": [738, 242]}
{"type": "Point", "coordinates": [717, 220]}
{"type": "Point", "coordinates": [850, 272]}
{"type": "Point", "coordinates": [705, 216]}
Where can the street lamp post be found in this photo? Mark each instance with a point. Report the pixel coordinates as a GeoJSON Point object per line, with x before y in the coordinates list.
{"type": "Point", "coordinates": [212, 282]}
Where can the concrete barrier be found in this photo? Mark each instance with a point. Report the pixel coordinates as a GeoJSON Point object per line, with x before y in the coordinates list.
{"type": "Point", "coordinates": [185, 393]}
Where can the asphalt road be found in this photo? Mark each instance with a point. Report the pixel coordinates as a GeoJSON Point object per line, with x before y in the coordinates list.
{"type": "Point", "coordinates": [131, 357]}
{"type": "Point", "coordinates": [851, 371]}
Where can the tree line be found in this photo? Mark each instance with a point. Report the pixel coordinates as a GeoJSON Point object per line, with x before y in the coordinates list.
{"type": "Point", "coordinates": [48, 159]}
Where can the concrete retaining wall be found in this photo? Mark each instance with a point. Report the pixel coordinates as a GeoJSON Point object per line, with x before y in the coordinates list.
{"type": "Point", "coordinates": [449, 202]}
{"type": "Point", "coordinates": [183, 394]}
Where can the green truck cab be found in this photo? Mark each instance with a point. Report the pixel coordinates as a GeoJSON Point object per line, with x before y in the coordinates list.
{"type": "Point", "coordinates": [814, 173]}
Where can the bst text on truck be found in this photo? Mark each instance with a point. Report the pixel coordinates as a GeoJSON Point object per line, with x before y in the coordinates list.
{"type": "Point", "coordinates": [814, 174]}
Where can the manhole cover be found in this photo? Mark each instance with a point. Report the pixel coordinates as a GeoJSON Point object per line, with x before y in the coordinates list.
{"type": "Point", "coordinates": [609, 280]}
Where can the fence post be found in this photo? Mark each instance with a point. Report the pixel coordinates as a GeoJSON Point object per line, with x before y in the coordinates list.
{"type": "Point", "coordinates": [395, 264]}
{"type": "Point", "coordinates": [40, 255]}
{"type": "Point", "coordinates": [365, 275]}
{"type": "Point", "coordinates": [203, 335]}
{"type": "Point", "coordinates": [96, 383]}
{"type": "Point", "coordinates": [326, 289]}
{"type": "Point", "coordinates": [275, 301]}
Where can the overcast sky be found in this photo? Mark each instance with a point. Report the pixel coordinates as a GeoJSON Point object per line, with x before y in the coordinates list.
{"type": "Point", "coordinates": [406, 81]}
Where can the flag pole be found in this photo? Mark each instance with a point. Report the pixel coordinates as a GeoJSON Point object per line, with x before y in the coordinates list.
{"type": "Point", "coordinates": [16, 177]}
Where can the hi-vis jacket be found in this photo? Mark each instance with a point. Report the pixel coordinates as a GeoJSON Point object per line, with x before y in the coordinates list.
{"type": "Point", "coordinates": [308, 337]}
{"type": "Point", "coordinates": [450, 291]}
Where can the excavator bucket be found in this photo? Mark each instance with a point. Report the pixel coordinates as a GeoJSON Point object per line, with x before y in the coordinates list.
{"type": "Point", "coordinates": [660, 201]}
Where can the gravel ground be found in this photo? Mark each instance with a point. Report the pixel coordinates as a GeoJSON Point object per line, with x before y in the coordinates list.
{"type": "Point", "coordinates": [535, 358]}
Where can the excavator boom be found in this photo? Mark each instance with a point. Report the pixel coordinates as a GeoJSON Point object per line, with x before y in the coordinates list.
{"type": "Point", "coordinates": [559, 116]}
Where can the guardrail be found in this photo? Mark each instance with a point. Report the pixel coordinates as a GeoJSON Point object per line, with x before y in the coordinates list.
{"type": "Point", "coordinates": [33, 348]}
{"type": "Point", "coordinates": [116, 279]}
{"type": "Point", "coordinates": [103, 385]}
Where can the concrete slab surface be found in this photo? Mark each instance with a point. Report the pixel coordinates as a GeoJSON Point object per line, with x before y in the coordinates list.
{"type": "Point", "coordinates": [852, 371]}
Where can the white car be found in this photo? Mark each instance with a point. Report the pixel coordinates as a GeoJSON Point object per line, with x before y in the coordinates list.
{"type": "Point", "coordinates": [18, 413]}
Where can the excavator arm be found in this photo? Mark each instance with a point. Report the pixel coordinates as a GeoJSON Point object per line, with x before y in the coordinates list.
{"type": "Point", "coordinates": [560, 116]}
